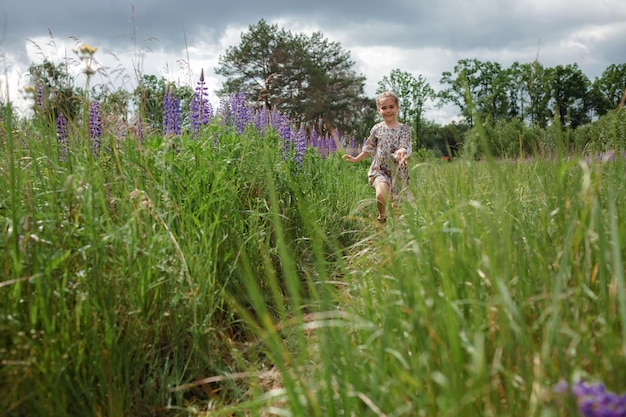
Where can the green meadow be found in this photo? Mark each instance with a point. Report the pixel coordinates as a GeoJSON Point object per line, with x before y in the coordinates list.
{"type": "Point", "coordinates": [209, 276]}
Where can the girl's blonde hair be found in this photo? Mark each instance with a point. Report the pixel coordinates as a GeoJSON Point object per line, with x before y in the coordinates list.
{"type": "Point", "coordinates": [387, 94]}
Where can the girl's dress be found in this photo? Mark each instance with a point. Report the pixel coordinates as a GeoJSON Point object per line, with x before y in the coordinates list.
{"type": "Point", "coordinates": [382, 143]}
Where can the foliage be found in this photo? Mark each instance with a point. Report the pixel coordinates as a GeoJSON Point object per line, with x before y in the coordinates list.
{"type": "Point", "coordinates": [528, 92]}
{"type": "Point", "coordinates": [148, 99]}
{"type": "Point", "coordinates": [514, 139]}
{"type": "Point", "coordinates": [476, 88]}
{"type": "Point", "coordinates": [117, 254]}
{"type": "Point", "coordinates": [308, 78]}
{"type": "Point", "coordinates": [605, 134]}
{"type": "Point", "coordinates": [444, 140]}
{"type": "Point", "coordinates": [54, 90]}
{"type": "Point", "coordinates": [609, 89]}
{"type": "Point", "coordinates": [570, 95]}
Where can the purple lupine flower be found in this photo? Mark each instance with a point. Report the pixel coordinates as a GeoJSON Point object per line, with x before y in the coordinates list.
{"type": "Point", "coordinates": [283, 126]}
{"type": "Point", "coordinates": [608, 156]}
{"type": "Point", "coordinates": [223, 110]}
{"type": "Point", "coordinates": [321, 145]}
{"type": "Point", "coordinates": [327, 146]}
{"type": "Point", "coordinates": [95, 121]}
{"type": "Point", "coordinates": [313, 139]}
{"type": "Point", "coordinates": [336, 139]}
{"type": "Point", "coordinates": [242, 113]}
{"type": "Point", "coordinates": [261, 120]}
{"type": "Point", "coordinates": [594, 400]}
{"type": "Point", "coordinates": [39, 95]}
{"type": "Point", "coordinates": [62, 135]}
{"type": "Point", "coordinates": [138, 129]}
{"type": "Point", "coordinates": [300, 147]}
{"type": "Point", "coordinates": [332, 145]}
{"type": "Point", "coordinates": [201, 110]}
{"type": "Point", "coordinates": [171, 114]}
{"type": "Point", "coordinates": [352, 148]}
{"type": "Point", "coordinates": [238, 112]}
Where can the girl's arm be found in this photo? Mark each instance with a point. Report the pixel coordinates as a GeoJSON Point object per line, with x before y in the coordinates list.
{"type": "Point", "coordinates": [358, 158]}
{"type": "Point", "coordinates": [369, 147]}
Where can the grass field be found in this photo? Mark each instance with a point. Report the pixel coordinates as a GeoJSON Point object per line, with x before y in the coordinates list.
{"type": "Point", "coordinates": [208, 276]}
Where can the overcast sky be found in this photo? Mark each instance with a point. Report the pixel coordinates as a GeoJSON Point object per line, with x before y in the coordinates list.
{"type": "Point", "coordinates": [176, 39]}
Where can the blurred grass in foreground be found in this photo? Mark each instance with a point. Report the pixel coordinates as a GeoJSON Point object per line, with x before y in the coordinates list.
{"type": "Point", "coordinates": [499, 281]}
{"type": "Point", "coordinates": [204, 277]}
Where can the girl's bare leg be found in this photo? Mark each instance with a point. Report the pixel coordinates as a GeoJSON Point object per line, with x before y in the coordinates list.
{"type": "Point", "coordinates": [382, 199]}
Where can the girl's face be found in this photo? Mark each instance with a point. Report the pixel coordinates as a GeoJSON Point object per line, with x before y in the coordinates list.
{"type": "Point", "coordinates": [388, 109]}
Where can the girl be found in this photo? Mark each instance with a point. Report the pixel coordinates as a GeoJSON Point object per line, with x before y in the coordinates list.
{"type": "Point", "coordinates": [389, 144]}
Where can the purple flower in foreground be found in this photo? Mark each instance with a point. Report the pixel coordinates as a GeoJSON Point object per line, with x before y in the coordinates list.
{"type": "Point", "coordinates": [353, 147]}
{"type": "Point", "coordinates": [261, 120]}
{"type": "Point", "coordinates": [300, 147]}
{"type": "Point", "coordinates": [283, 126]}
{"type": "Point", "coordinates": [238, 112]}
{"type": "Point", "coordinates": [95, 121]}
{"type": "Point", "coordinates": [39, 95]}
{"type": "Point", "coordinates": [201, 110]}
{"type": "Point", "coordinates": [313, 138]}
{"type": "Point", "coordinates": [137, 130]}
{"type": "Point", "coordinates": [62, 134]}
{"type": "Point", "coordinates": [594, 400]}
{"type": "Point", "coordinates": [171, 114]}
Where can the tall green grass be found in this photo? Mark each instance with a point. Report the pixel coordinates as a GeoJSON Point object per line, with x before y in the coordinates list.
{"type": "Point", "coordinates": [210, 277]}
{"type": "Point", "coordinates": [498, 281]}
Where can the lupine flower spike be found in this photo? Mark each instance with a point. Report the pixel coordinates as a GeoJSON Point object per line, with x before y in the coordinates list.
{"type": "Point", "coordinates": [95, 130]}
{"type": "Point", "coordinates": [300, 147]}
{"type": "Point", "coordinates": [594, 400]}
{"type": "Point", "coordinates": [171, 114]}
{"type": "Point", "coordinates": [62, 135]}
{"type": "Point", "coordinates": [201, 110]}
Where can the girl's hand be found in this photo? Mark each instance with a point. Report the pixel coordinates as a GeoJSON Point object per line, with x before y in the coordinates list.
{"type": "Point", "coordinates": [401, 156]}
{"type": "Point", "coordinates": [348, 157]}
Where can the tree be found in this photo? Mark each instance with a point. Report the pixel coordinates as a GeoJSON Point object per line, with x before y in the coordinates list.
{"type": "Point", "coordinates": [608, 90]}
{"type": "Point", "coordinates": [518, 91]}
{"type": "Point", "coordinates": [443, 140]}
{"type": "Point", "coordinates": [479, 88]}
{"type": "Point", "coordinates": [570, 94]}
{"type": "Point", "coordinates": [256, 64]}
{"type": "Point", "coordinates": [55, 91]}
{"type": "Point", "coordinates": [460, 88]}
{"type": "Point", "coordinates": [413, 94]}
{"type": "Point", "coordinates": [148, 99]}
{"type": "Point", "coordinates": [536, 80]}
{"type": "Point", "coordinates": [306, 77]}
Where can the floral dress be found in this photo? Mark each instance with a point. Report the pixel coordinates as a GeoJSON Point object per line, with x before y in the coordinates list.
{"type": "Point", "coordinates": [382, 143]}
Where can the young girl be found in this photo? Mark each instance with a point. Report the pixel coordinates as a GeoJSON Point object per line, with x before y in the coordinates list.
{"type": "Point", "coordinates": [389, 145]}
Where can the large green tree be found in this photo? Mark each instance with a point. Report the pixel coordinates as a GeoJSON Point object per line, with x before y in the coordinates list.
{"type": "Point", "coordinates": [307, 77]}
{"type": "Point", "coordinates": [413, 94]}
{"type": "Point", "coordinates": [536, 83]}
{"type": "Point", "coordinates": [609, 89]}
{"type": "Point", "coordinates": [570, 89]}
{"type": "Point", "coordinates": [148, 100]}
{"type": "Point", "coordinates": [55, 90]}
{"type": "Point", "coordinates": [527, 92]}
{"type": "Point", "coordinates": [479, 89]}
